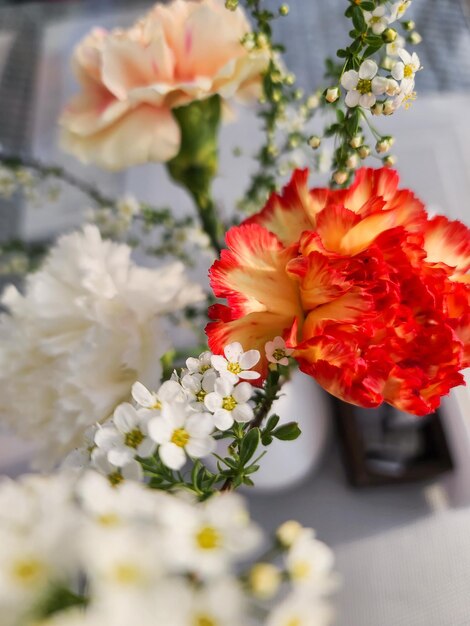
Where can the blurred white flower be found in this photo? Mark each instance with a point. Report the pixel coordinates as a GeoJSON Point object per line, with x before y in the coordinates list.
{"type": "Point", "coordinates": [237, 363]}
{"type": "Point", "coordinates": [309, 563]}
{"type": "Point", "coordinates": [376, 20]}
{"type": "Point", "coordinates": [405, 69]}
{"type": "Point", "coordinates": [363, 86]}
{"type": "Point", "coordinates": [201, 364]}
{"type": "Point", "coordinates": [229, 403]}
{"type": "Point", "coordinates": [399, 9]}
{"type": "Point", "coordinates": [150, 402]}
{"type": "Point", "coordinates": [300, 610]}
{"type": "Point", "coordinates": [197, 386]}
{"type": "Point", "coordinates": [394, 47]}
{"type": "Point", "coordinates": [87, 326]}
{"type": "Point", "coordinates": [131, 470]}
{"type": "Point", "coordinates": [180, 431]}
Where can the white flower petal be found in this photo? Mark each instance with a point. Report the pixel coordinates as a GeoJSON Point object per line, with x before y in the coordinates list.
{"type": "Point", "coordinates": [233, 351]}
{"type": "Point", "coordinates": [405, 56]}
{"type": "Point", "coordinates": [213, 401]}
{"type": "Point", "coordinates": [172, 455]}
{"type": "Point", "coordinates": [199, 425]}
{"type": "Point", "coordinates": [146, 448]}
{"type": "Point", "coordinates": [223, 387]}
{"type": "Point", "coordinates": [160, 430]}
{"type": "Point", "coordinates": [120, 456]}
{"type": "Point", "coordinates": [367, 100]}
{"type": "Point", "coordinates": [132, 471]}
{"type": "Point", "coordinates": [223, 419]}
{"type": "Point", "coordinates": [200, 446]}
{"type": "Point", "coordinates": [142, 395]}
{"type": "Point", "coordinates": [242, 392]}
{"type": "Point", "coordinates": [171, 391]}
{"type": "Point", "coordinates": [249, 359]}
{"type": "Point", "coordinates": [352, 98]}
{"type": "Point", "coordinates": [243, 413]}
{"type": "Point", "coordinates": [229, 377]}
{"type": "Point", "coordinates": [125, 417]}
{"type": "Point", "coordinates": [380, 85]}
{"type": "Point", "coordinates": [350, 79]}
{"type": "Point", "coordinates": [398, 70]}
{"type": "Point", "coordinates": [218, 362]}
{"type": "Point", "coordinates": [108, 437]}
{"type": "Point", "coordinates": [368, 69]}
{"type": "Point", "coordinates": [249, 375]}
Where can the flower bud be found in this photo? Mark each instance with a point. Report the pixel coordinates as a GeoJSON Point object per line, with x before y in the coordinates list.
{"type": "Point", "coordinates": [356, 141]}
{"type": "Point", "coordinates": [387, 63]}
{"type": "Point", "coordinates": [231, 5]}
{"type": "Point", "coordinates": [313, 101]}
{"type": "Point", "coordinates": [340, 177]}
{"type": "Point", "coordinates": [264, 580]}
{"type": "Point", "coordinates": [389, 160]}
{"type": "Point", "coordinates": [352, 161]}
{"type": "Point", "coordinates": [288, 532]}
{"type": "Point", "coordinates": [415, 38]}
{"type": "Point", "coordinates": [383, 145]}
{"type": "Point", "coordinates": [284, 10]}
{"type": "Point", "coordinates": [298, 94]}
{"type": "Point", "coordinates": [389, 35]}
{"type": "Point", "coordinates": [377, 108]}
{"type": "Point", "coordinates": [314, 142]}
{"type": "Point", "coordinates": [409, 25]}
{"type": "Point", "coordinates": [289, 79]}
{"type": "Point", "coordinates": [389, 107]}
{"type": "Point", "coordinates": [363, 151]}
{"type": "Point", "coordinates": [332, 94]}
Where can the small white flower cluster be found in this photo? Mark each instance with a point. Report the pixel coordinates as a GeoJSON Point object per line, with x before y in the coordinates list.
{"type": "Point", "coordinates": [115, 222]}
{"type": "Point", "coordinates": [146, 557]}
{"type": "Point", "coordinates": [179, 419]}
{"type": "Point", "coordinates": [365, 86]}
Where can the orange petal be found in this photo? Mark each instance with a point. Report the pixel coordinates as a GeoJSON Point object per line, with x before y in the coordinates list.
{"type": "Point", "coordinates": [447, 241]}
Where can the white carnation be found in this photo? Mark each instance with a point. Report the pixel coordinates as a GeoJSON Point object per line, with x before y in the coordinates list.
{"type": "Point", "coordinates": [87, 327]}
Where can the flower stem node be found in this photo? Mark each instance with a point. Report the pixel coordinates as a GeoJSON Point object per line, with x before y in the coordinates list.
{"type": "Point", "coordinates": [332, 94]}
{"type": "Point", "coordinates": [314, 142]}
{"type": "Point", "coordinates": [340, 177]}
{"type": "Point", "coordinates": [231, 5]}
{"type": "Point", "coordinates": [363, 151]}
{"type": "Point", "coordinates": [284, 10]}
{"type": "Point", "coordinates": [389, 35]}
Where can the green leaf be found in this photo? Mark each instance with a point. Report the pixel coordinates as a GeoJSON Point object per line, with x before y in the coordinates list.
{"type": "Point", "coordinates": [358, 19]}
{"type": "Point", "coordinates": [287, 432]}
{"type": "Point", "coordinates": [249, 445]}
{"type": "Point", "coordinates": [271, 424]}
{"type": "Point", "coordinates": [367, 6]}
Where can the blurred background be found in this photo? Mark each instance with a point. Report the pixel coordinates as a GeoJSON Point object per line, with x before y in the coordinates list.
{"type": "Point", "coordinates": [403, 550]}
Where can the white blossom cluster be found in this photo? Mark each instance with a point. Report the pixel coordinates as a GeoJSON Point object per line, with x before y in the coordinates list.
{"type": "Point", "coordinates": [125, 555]}
{"type": "Point", "coordinates": [179, 419]}
{"type": "Point", "coordinates": [87, 324]}
{"type": "Point", "coordinates": [368, 89]}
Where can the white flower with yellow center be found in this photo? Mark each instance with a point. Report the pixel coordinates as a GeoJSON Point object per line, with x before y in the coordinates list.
{"type": "Point", "coordinates": [300, 610]}
{"type": "Point", "coordinates": [363, 86]}
{"type": "Point", "coordinates": [126, 437]}
{"type": "Point", "coordinates": [309, 563]}
{"type": "Point", "coordinates": [394, 47]}
{"type": "Point", "coordinates": [277, 352]}
{"type": "Point", "coordinates": [406, 69]}
{"type": "Point", "coordinates": [237, 364]}
{"type": "Point", "coordinates": [399, 9]}
{"type": "Point", "coordinates": [180, 432]}
{"type": "Point", "coordinates": [197, 386]}
{"type": "Point", "coordinates": [199, 365]}
{"type": "Point", "coordinates": [376, 20]}
{"type": "Point", "coordinates": [115, 475]}
{"type": "Point", "coordinates": [150, 402]}
{"type": "Point", "coordinates": [211, 537]}
{"type": "Point", "coordinates": [229, 404]}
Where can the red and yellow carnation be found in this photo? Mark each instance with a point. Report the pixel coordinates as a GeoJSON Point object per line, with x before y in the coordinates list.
{"type": "Point", "coordinates": [372, 295]}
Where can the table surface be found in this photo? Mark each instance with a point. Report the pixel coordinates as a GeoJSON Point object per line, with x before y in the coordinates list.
{"type": "Point", "coordinates": [403, 552]}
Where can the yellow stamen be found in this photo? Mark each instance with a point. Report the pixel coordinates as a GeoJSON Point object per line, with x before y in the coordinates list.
{"type": "Point", "coordinates": [300, 570]}
{"type": "Point", "coordinates": [28, 571]}
{"type": "Point", "coordinates": [208, 538]}
{"type": "Point", "coordinates": [115, 478]}
{"type": "Point", "coordinates": [229, 403]}
{"type": "Point", "coordinates": [201, 395]}
{"type": "Point", "coordinates": [134, 438]}
{"type": "Point", "coordinates": [234, 368]}
{"type": "Point", "coordinates": [364, 86]}
{"type": "Point", "coordinates": [204, 620]}
{"type": "Point", "coordinates": [180, 437]}
{"type": "Point", "coordinates": [126, 573]}
{"type": "Point", "coordinates": [408, 71]}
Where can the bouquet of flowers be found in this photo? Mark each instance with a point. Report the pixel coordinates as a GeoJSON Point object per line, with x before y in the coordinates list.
{"type": "Point", "coordinates": [354, 284]}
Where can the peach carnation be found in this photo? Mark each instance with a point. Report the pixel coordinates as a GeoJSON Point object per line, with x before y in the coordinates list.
{"type": "Point", "coordinates": [372, 295]}
{"type": "Point", "coordinates": [132, 79]}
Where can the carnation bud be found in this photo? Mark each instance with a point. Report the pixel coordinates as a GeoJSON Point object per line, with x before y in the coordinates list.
{"type": "Point", "coordinates": [288, 532]}
{"type": "Point", "coordinates": [415, 38]}
{"type": "Point", "coordinates": [352, 161]}
{"type": "Point", "coordinates": [231, 5]}
{"type": "Point", "coordinates": [363, 151]}
{"type": "Point", "coordinates": [356, 141]}
{"type": "Point", "coordinates": [314, 142]}
{"type": "Point", "coordinates": [377, 108]}
{"type": "Point", "coordinates": [284, 10]}
{"type": "Point", "coordinates": [389, 160]}
{"type": "Point", "coordinates": [409, 25]}
{"type": "Point", "coordinates": [340, 177]}
{"type": "Point", "coordinates": [389, 35]}
{"type": "Point", "coordinates": [389, 107]}
{"type": "Point", "coordinates": [332, 94]}
{"type": "Point", "coordinates": [264, 580]}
